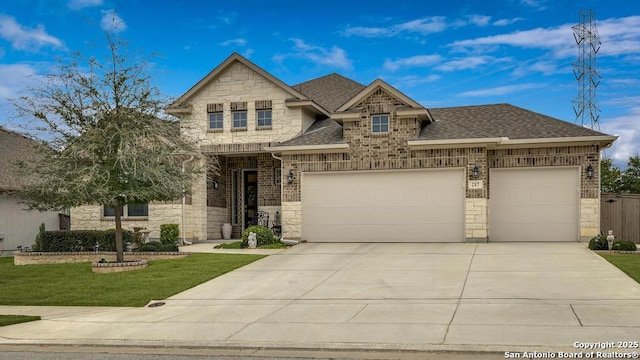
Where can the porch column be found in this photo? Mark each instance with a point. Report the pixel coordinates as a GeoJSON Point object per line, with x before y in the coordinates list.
{"type": "Point", "coordinates": [195, 226]}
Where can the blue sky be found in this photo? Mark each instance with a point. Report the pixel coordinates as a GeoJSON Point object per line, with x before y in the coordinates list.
{"type": "Point", "coordinates": [440, 53]}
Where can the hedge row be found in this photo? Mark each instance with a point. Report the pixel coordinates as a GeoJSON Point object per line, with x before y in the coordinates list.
{"type": "Point", "coordinates": [82, 240]}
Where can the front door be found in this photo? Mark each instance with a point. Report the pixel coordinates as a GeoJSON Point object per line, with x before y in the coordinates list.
{"type": "Point", "coordinates": [250, 198]}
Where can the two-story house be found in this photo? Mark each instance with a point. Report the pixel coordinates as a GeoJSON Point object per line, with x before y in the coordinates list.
{"type": "Point", "coordinates": [336, 160]}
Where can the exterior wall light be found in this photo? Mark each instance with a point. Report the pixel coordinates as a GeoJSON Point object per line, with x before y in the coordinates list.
{"type": "Point", "coordinates": [215, 184]}
{"type": "Point", "coordinates": [475, 172]}
{"type": "Point", "coordinates": [590, 172]}
{"type": "Point", "coordinates": [290, 177]}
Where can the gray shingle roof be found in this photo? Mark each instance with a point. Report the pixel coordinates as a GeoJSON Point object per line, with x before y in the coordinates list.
{"type": "Point", "coordinates": [15, 148]}
{"type": "Point", "coordinates": [330, 91]}
{"type": "Point", "coordinates": [322, 132]}
{"type": "Point", "coordinates": [499, 120]}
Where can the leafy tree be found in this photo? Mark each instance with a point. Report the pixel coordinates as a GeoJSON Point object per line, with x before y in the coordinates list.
{"type": "Point", "coordinates": [631, 175]}
{"type": "Point", "coordinates": [105, 143]}
{"type": "Point", "coordinates": [610, 177]}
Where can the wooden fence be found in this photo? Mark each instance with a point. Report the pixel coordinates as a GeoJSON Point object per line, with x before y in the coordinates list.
{"type": "Point", "coordinates": [621, 213]}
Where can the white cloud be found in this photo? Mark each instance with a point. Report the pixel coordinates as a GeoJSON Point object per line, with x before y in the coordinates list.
{"type": "Point", "coordinates": [414, 61]}
{"type": "Point", "coordinates": [479, 20]}
{"type": "Point", "coordinates": [470, 62]}
{"type": "Point", "coordinates": [334, 57]}
{"type": "Point", "coordinates": [618, 36]}
{"type": "Point", "coordinates": [422, 26]}
{"type": "Point", "coordinates": [627, 128]}
{"type": "Point", "coordinates": [81, 4]}
{"type": "Point", "coordinates": [414, 80]}
{"type": "Point", "coordinates": [112, 22]}
{"type": "Point", "coordinates": [505, 22]}
{"type": "Point", "coordinates": [234, 42]}
{"type": "Point", "coordinates": [15, 77]}
{"type": "Point", "coordinates": [227, 18]}
{"type": "Point", "coordinates": [538, 4]}
{"type": "Point", "coordinates": [23, 38]}
{"type": "Point", "coordinates": [500, 90]}
{"type": "Point", "coordinates": [247, 53]}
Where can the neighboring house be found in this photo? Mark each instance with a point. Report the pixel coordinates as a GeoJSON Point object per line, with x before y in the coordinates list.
{"type": "Point", "coordinates": [341, 161]}
{"type": "Point", "coordinates": [18, 226]}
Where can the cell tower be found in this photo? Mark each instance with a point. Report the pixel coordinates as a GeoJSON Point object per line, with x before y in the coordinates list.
{"type": "Point", "coordinates": [584, 69]}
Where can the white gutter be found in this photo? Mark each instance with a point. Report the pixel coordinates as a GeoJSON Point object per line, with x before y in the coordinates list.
{"type": "Point", "coordinates": [505, 141]}
{"type": "Point", "coordinates": [184, 203]}
{"type": "Point", "coordinates": [307, 148]}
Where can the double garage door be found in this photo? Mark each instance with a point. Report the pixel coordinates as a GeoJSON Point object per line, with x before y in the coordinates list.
{"type": "Point", "coordinates": [540, 204]}
{"type": "Point", "coordinates": [383, 206]}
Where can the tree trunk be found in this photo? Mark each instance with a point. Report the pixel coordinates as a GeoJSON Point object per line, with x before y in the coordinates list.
{"type": "Point", "coordinates": [119, 247]}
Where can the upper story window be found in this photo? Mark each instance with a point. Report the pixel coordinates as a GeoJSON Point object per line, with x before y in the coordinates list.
{"type": "Point", "coordinates": [380, 123]}
{"type": "Point", "coordinates": [264, 118]}
{"type": "Point", "coordinates": [263, 114]}
{"type": "Point", "coordinates": [215, 115]}
{"type": "Point", "coordinates": [129, 210]}
{"type": "Point", "coordinates": [239, 119]}
{"type": "Point", "coordinates": [215, 120]}
{"type": "Point", "coordinates": [239, 114]}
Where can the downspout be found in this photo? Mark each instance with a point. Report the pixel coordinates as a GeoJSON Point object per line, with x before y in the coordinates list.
{"type": "Point", "coordinates": [184, 202]}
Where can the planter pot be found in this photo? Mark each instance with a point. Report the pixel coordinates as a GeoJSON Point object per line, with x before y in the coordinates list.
{"type": "Point", "coordinates": [226, 231]}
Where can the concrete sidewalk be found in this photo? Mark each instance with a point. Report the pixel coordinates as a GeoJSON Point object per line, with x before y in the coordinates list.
{"type": "Point", "coordinates": [470, 297]}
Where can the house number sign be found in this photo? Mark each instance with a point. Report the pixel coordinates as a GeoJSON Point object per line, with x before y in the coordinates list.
{"type": "Point", "coordinates": [476, 184]}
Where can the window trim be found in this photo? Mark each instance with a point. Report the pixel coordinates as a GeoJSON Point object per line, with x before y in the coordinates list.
{"type": "Point", "coordinates": [221, 120]}
{"type": "Point", "coordinates": [379, 124]}
{"type": "Point", "coordinates": [233, 119]}
{"type": "Point", "coordinates": [263, 126]}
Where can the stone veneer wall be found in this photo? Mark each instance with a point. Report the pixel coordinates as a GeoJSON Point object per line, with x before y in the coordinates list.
{"type": "Point", "coordinates": [89, 217]}
{"type": "Point", "coordinates": [215, 218]}
{"type": "Point", "coordinates": [292, 220]}
{"type": "Point", "coordinates": [239, 83]}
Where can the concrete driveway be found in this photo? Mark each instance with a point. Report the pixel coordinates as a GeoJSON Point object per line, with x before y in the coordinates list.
{"type": "Point", "coordinates": [502, 296]}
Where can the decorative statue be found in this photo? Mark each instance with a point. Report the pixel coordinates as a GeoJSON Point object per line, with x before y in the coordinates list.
{"type": "Point", "coordinates": [253, 242]}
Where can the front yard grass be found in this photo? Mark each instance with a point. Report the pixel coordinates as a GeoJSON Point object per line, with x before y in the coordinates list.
{"type": "Point", "coordinates": [16, 319]}
{"type": "Point", "coordinates": [77, 285]}
{"type": "Point", "coordinates": [629, 263]}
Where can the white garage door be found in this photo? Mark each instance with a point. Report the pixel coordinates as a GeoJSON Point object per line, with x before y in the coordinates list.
{"type": "Point", "coordinates": [383, 206]}
{"type": "Point", "coordinates": [534, 204]}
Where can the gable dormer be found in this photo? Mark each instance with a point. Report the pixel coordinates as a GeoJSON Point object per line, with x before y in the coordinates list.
{"type": "Point", "coordinates": [380, 118]}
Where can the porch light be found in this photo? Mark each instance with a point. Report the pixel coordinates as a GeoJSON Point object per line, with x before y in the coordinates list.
{"type": "Point", "coordinates": [475, 172]}
{"type": "Point", "coordinates": [590, 172]}
{"type": "Point", "coordinates": [290, 177]}
{"type": "Point", "coordinates": [215, 184]}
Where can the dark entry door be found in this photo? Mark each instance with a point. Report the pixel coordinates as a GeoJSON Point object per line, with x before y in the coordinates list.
{"type": "Point", "coordinates": [250, 198]}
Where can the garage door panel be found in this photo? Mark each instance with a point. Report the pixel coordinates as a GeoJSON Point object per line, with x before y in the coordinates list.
{"type": "Point", "coordinates": [383, 233]}
{"type": "Point", "coordinates": [381, 206]}
{"type": "Point", "coordinates": [538, 204]}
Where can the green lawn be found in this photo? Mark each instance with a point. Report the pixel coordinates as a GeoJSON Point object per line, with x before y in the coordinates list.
{"type": "Point", "coordinates": [16, 319]}
{"type": "Point", "coordinates": [629, 263]}
{"type": "Point", "coordinates": [77, 285]}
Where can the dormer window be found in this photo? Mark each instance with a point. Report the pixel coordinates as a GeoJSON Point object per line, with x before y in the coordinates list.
{"type": "Point", "coordinates": [380, 123]}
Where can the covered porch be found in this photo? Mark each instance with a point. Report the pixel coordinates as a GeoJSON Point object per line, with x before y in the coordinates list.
{"type": "Point", "coordinates": [246, 192]}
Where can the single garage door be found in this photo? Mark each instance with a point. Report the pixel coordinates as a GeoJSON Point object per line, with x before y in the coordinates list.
{"type": "Point", "coordinates": [383, 206]}
{"type": "Point", "coordinates": [534, 204]}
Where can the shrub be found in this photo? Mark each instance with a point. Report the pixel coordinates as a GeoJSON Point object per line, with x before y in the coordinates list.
{"type": "Point", "coordinates": [624, 245]}
{"type": "Point", "coordinates": [153, 246]}
{"type": "Point", "coordinates": [263, 236]}
{"type": "Point", "coordinates": [82, 240]}
{"type": "Point", "coordinates": [37, 246]}
{"type": "Point", "coordinates": [168, 248]}
{"type": "Point", "coordinates": [169, 233]}
{"type": "Point", "coordinates": [599, 243]}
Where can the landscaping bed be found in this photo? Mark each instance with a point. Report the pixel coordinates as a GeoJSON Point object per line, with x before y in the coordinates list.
{"type": "Point", "coordinates": [35, 258]}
